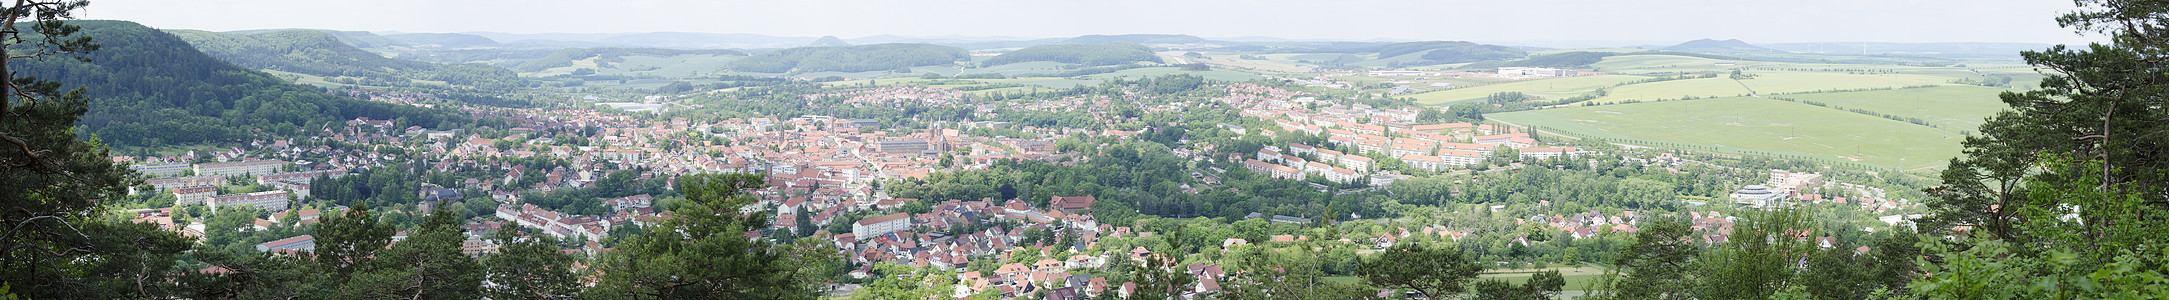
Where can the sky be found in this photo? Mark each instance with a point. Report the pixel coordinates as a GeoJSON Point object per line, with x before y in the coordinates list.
{"type": "Point", "coordinates": [1670, 21]}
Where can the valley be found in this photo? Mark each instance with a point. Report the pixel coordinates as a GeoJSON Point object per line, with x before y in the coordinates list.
{"type": "Point", "coordinates": [333, 163]}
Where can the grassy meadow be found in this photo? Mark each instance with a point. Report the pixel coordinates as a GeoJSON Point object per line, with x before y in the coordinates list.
{"type": "Point", "coordinates": [1754, 126]}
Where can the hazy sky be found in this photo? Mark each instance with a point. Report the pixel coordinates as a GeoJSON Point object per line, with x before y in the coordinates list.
{"type": "Point", "coordinates": [1755, 21]}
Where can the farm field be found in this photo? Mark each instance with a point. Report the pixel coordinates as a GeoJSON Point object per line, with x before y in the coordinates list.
{"type": "Point", "coordinates": [1950, 107]}
{"type": "Point", "coordinates": [1770, 82]}
{"type": "Point", "coordinates": [1675, 89]}
{"type": "Point", "coordinates": [1755, 126]}
{"type": "Point", "coordinates": [1547, 88]}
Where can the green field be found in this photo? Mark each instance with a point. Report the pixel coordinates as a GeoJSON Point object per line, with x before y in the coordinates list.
{"type": "Point", "coordinates": [1951, 107]}
{"type": "Point", "coordinates": [1548, 88]}
{"type": "Point", "coordinates": [1676, 89]}
{"type": "Point", "coordinates": [1768, 82]}
{"type": "Point", "coordinates": [1757, 126]}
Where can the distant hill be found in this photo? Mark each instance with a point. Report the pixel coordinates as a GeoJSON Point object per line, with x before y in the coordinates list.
{"type": "Point", "coordinates": [861, 58]}
{"type": "Point", "coordinates": [364, 39]}
{"type": "Point", "coordinates": [359, 39]}
{"type": "Point", "coordinates": [1717, 46]}
{"type": "Point", "coordinates": [322, 54]}
{"type": "Point", "coordinates": [444, 40]}
{"type": "Point", "coordinates": [691, 40]}
{"type": "Point", "coordinates": [604, 57]}
{"type": "Point", "coordinates": [1085, 54]}
{"type": "Point", "coordinates": [1579, 59]}
{"type": "Point", "coordinates": [1444, 52]}
{"type": "Point", "coordinates": [1136, 39]}
{"type": "Point", "coordinates": [828, 41]}
{"type": "Point", "coordinates": [1951, 50]}
{"type": "Point", "coordinates": [148, 87]}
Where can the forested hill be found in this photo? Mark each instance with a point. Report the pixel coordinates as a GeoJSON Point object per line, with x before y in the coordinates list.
{"type": "Point", "coordinates": [1086, 54]}
{"type": "Point", "coordinates": [147, 87]}
{"type": "Point", "coordinates": [323, 54]}
{"type": "Point", "coordinates": [604, 56]}
{"type": "Point", "coordinates": [1451, 52]}
{"type": "Point", "coordinates": [860, 58]}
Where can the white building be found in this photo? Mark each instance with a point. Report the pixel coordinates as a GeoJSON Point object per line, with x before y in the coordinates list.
{"type": "Point", "coordinates": [877, 226]}
{"type": "Point", "coordinates": [250, 168]}
{"type": "Point", "coordinates": [1758, 196]}
{"type": "Point", "coordinates": [269, 201]}
{"type": "Point", "coordinates": [1549, 152]}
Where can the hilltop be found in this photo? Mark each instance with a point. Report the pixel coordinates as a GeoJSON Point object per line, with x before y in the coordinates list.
{"type": "Point", "coordinates": [607, 57]}
{"type": "Point", "coordinates": [1717, 46]}
{"type": "Point", "coordinates": [1136, 39]}
{"type": "Point", "coordinates": [320, 53]}
{"type": "Point", "coordinates": [828, 41]}
{"type": "Point", "coordinates": [1084, 54]}
{"type": "Point", "coordinates": [851, 58]}
{"type": "Point", "coordinates": [443, 40]}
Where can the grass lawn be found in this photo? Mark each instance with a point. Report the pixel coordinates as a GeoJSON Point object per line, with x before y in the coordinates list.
{"type": "Point", "coordinates": [1754, 126]}
{"type": "Point", "coordinates": [1548, 88]}
{"type": "Point", "coordinates": [1951, 107]}
{"type": "Point", "coordinates": [1573, 282]}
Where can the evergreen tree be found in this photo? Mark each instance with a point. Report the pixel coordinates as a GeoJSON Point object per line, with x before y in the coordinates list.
{"type": "Point", "coordinates": [1656, 266]}
{"type": "Point", "coordinates": [710, 255]}
{"type": "Point", "coordinates": [54, 187]}
{"type": "Point", "coordinates": [1434, 271]}
{"type": "Point", "coordinates": [2066, 191]}
{"type": "Point", "coordinates": [427, 265]}
{"type": "Point", "coordinates": [528, 267]}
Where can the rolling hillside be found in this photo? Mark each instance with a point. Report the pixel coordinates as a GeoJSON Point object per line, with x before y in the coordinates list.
{"type": "Point", "coordinates": [322, 54]}
{"type": "Point", "coordinates": [606, 57]}
{"type": "Point", "coordinates": [148, 87]}
{"type": "Point", "coordinates": [1084, 54]}
{"type": "Point", "coordinates": [860, 58]}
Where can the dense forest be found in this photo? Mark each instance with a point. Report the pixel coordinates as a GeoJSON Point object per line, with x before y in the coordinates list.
{"type": "Point", "coordinates": [323, 54]}
{"type": "Point", "coordinates": [147, 88]}
{"type": "Point", "coordinates": [861, 58]}
{"type": "Point", "coordinates": [1084, 54]}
